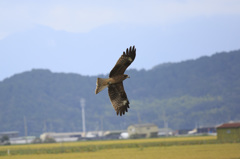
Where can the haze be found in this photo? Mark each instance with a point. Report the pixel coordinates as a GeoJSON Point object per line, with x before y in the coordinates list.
{"type": "Point", "coordinates": [87, 37]}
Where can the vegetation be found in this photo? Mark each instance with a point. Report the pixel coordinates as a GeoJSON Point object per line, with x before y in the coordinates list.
{"type": "Point", "coordinates": [92, 146]}
{"type": "Point", "coordinates": [200, 92]}
{"type": "Point", "coordinates": [180, 148]}
{"type": "Point", "coordinates": [213, 151]}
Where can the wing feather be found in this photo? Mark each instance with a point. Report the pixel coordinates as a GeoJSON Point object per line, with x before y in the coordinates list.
{"type": "Point", "coordinates": [118, 98]}
{"type": "Point", "coordinates": [123, 62]}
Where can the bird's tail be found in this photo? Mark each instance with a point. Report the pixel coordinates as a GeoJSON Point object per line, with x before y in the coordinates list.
{"type": "Point", "coordinates": [101, 84]}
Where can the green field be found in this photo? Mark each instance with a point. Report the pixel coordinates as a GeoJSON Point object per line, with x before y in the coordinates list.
{"type": "Point", "coordinates": [162, 148]}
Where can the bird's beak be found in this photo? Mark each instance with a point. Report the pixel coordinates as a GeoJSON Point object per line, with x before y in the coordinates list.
{"type": "Point", "coordinates": [128, 76]}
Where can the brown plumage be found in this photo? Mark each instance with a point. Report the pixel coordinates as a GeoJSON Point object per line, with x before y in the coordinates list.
{"type": "Point", "coordinates": [116, 92]}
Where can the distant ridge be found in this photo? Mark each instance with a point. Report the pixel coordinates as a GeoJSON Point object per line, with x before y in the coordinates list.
{"type": "Point", "coordinates": [204, 91]}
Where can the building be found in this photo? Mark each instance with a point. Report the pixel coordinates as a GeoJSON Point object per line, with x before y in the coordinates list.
{"type": "Point", "coordinates": [61, 137]}
{"type": "Point", "coordinates": [71, 136]}
{"type": "Point", "coordinates": [22, 140]}
{"type": "Point", "coordinates": [206, 130]}
{"type": "Point", "coordinates": [124, 135]}
{"type": "Point", "coordinates": [9, 134]}
{"type": "Point", "coordinates": [143, 130]}
{"type": "Point", "coordinates": [112, 134]}
{"type": "Point", "coordinates": [203, 130]}
{"type": "Point", "coordinates": [229, 132]}
{"type": "Point", "coordinates": [165, 132]}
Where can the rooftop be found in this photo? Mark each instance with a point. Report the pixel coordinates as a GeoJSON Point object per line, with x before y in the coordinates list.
{"type": "Point", "coordinates": [230, 125]}
{"type": "Point", "coordinates": [144, 125]}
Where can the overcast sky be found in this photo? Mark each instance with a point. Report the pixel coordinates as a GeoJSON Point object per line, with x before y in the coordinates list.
{"type": "Point", "coordinates": [88, 37]}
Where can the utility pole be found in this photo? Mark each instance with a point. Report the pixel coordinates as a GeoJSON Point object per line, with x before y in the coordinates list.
{"type": "Point", "coordinates": [82, 102]}
{"type": "Point", "coordinates": [25, 128]}
{"type": "Point", "coordinates": [44, 126]}
{"type": "Point", "coordinates": [139, 118]}
{"type": "Point", "coordinates": [165, 123]}
{"type": "Point", "coordinates": [101, 126]}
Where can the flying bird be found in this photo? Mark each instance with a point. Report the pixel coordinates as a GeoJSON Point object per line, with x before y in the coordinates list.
{"type": "Point", "coordinates": [116, 92]}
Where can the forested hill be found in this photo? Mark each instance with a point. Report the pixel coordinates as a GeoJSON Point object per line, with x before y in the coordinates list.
{"type": "Point", "coordinates": [200, 92]}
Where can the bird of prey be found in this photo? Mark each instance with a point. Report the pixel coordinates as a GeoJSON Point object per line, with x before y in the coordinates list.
{"type": "Point", "coordinates": [116, 92]}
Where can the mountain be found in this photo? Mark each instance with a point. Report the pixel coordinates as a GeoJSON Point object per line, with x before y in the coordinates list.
{"type": "Point", "coordinates": [200, 92]}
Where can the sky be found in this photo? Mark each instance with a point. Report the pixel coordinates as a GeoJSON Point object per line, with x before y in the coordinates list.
{"type": "Point", "coordinates": [88, 37]}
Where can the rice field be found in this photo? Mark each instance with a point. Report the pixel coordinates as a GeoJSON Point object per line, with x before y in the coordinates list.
{"type": "Point", "coordinates": [162, 148]}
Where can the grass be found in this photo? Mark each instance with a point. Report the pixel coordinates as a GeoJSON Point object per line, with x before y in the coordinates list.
{"type": "Point", "coordinates": [209, 151]}
{"type": "Point", "coordinates": [177, 147]}
{"type": "Point", "coordinates": [86, 146]}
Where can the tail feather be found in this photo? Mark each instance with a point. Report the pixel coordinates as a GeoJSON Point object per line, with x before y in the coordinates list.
{"type": "Point", "coordinates": [101, 84]}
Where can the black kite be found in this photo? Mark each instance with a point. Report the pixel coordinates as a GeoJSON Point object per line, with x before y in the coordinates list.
{"type": "Point", "coordinates": [116, 92]}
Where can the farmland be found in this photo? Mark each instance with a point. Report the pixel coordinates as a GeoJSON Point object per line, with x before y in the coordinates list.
{"type": "Point", "coordinates": [181, 147]}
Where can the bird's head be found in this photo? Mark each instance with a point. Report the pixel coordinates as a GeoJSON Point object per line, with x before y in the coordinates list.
{"type": "Point", "coordinates": [126, 76]}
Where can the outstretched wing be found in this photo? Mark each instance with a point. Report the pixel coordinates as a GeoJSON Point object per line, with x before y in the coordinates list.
{"type": "Point", "coordinates": [118, 98]}
{"type": "Point", "coordinates": [123, 62]}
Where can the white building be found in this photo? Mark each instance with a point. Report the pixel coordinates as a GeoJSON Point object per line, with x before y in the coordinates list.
{"type": "Point", "coordinates": [22, 140]}
{"type": "Point", "coordinates": [62, 137]}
